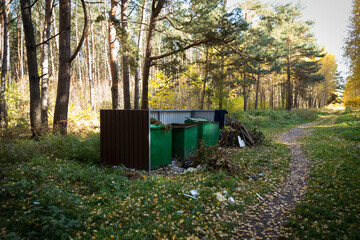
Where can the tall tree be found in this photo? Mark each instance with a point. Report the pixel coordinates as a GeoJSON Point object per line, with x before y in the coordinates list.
{"type": "Point", "coordinates": [65, 59]}
{"type": "Point", "coordinates": [140, 55]}
{"type": "Point", "coordinates": [125, 55]}
{"type": "Point", "coordinates": [113, 48]}
{"type": "Point", "coordinates": [352, 53]}
{"type": "Point", "coordinates": [156, 8]}
{"type": "Point", "coordinates": [45, 63]}
{"type": "Point", "coordinates": [3, 107]}
{"type": "Point", "coordinates": [34, 80]}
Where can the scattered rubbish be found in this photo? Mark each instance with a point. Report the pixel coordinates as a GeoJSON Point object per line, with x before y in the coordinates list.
{"type": "Point", "coordinates": [220, 197]}
{"type": "Point", "coordinates": [190, 196]}
{"type": "Point", "coordinates": [260, 196]}
{"type": "Point", "coordinates": [194, 193]}
{"type": "Point", "coordinates": [187, 164]}
{"type": "Point", "coordinates": [36, 203]}
{"type": "Point", "coordinates": [179, 211]}
{"type": "Point", "coordinates": [235, 134]}
{"type": "Point", "coordinates": [261, 174]}
{"type": "Point", "coordinates": [241, 142]}
{"type": "Point", "coordinates": [231, 200]}
{"type": "Point", "coordinates": [191, 169]}
{"type": "Point", "coordinates": [225, 192]}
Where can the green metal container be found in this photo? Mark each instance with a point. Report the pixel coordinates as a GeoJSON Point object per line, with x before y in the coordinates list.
{"type": "Point", "coordinates": [160, 146]}
{"type": "Point", "coordinates": [184, 140]}
{"type": "Point", "coordinates": [207, 131]}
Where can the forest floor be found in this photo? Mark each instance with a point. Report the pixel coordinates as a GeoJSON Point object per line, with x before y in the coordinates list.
{"type": "Point", "coordinates": [56, 189]}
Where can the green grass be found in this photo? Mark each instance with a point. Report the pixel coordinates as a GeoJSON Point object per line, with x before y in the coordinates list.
{"type": "Point", "coordinates": [55, 189]}
{"type": "Point", "coordinates": [273, 123]}
{"type": "Point", "coordinates": [330, 209]}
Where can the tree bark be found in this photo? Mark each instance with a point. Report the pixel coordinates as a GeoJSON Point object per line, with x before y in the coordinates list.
{"type": "Point", "coordinates": [45, 65]}
{"type": "Point", "coordinates": [125, 55]}
{"type": "Point", "coordinates": [155, 11]}
{"type": "Point", "coordinates": [63, 89]}
{"type": "Point", "coordinates": [288, 86]}
{"type": "Point", "coordinates": [3, 106]}
{"type": "Point", "coordinates": [139, 58]}
{"type": "Point", "coordinates": [205, 79]}
{"type": "Point", "coordinates": [65, 59]}
{"type": "Point", "coordinates": [257, 88]}
{"type": "Point", "coordinates": [245, 90]}
{"type": "Point", "coordinates": [221, 85]}
{"type": "Point", "coordinates": [113, 57]}
{"type": "Point", "coordinates": [35, 100]}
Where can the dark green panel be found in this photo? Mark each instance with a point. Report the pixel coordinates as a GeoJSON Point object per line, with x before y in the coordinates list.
{"type": "Point", "coordinates": [184, 141]}
{"type": "Point", "coordinates": [160, 146]}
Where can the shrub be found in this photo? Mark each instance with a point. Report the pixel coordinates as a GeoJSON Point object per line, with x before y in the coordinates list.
{"type": "Point", "coordinates": [214, 158]}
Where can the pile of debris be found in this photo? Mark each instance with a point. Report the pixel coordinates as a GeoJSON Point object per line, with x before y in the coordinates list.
{"type": "Point", "coordinates": [235, 134]}
{"type": "Point", "coordinates": [166, 127]}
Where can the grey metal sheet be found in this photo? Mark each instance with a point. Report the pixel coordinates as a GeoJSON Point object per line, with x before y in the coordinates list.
{"type": "Point", "coordinates": [207, 114]}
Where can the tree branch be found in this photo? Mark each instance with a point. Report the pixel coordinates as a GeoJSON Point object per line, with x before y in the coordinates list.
{"type": "Point", "coordinates": [83, 35]}
{"type": "Point", "coordinates": [49, 39]}
{"type": "Point", "coordinates": [182, 49]}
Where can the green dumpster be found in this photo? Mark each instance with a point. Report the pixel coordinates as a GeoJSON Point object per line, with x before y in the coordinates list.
{"type": "Point", "coordinates": [207, 130]}
{"type": "Point", "coordinates": [160, 146]}
{"type": "Point", "coordinates": [184, 140]}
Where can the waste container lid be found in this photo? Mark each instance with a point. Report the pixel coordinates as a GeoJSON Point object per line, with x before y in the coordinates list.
{"type": "Point", "coordinates": [182, 125]}
{"type": "Point", "coordinates": [196, 120]}
{"type": "Point", "coordinates": [153, 126]}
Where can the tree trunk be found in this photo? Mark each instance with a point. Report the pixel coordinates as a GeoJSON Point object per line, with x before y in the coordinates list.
{"type": "Point", "coordinates": [63, 89]}
{"type": "Point", "coordinates": [257, 88]}
{"type": "Point", "coordinates": [139, 58]}
{"type": "Point", "coordinates": [245, 90]}
{"type": "Point", "coordinates": [221, 86]}
{"type": "Point", "coordinates": [35, 100]}
{"type": "Point", "coordinates": [45, 64]}
{"type": "Point", "coordinates": [92, 68]}
{"type": "Point", "coordinates": [205, 79]}
{"type": "Point", "coordinates": [125, 56]}
{"type": "Point", "coordinates": [155, 11]}
{"type": "Point", "coordinates": [3, 106]}
{"type": "Point", "coordinates": [113, 57]}
{"type": "Point", "coordinates": [288, 86]}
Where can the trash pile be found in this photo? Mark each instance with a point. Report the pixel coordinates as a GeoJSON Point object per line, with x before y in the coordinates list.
{"type": "Point", "coordinates": [166, 127]}
{"type": "Point", "coordinates": [214, 158]}
{"type": "Point", "coordinates": [235, 134]}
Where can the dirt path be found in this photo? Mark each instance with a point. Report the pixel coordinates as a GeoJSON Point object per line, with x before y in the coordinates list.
{"type": "Point", "coordinates": [268, 222]}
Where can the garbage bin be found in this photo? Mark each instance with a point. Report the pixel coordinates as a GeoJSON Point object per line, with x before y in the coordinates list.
{"type": "Point", "coordinates": [184, 140]}
{"type": "Point", "coordinates": [207, 130]}
{"type": "Point", "coordinates": [160, 145]}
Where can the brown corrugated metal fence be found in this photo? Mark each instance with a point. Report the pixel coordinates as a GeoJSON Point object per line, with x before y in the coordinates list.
{"type": "Point", "coordinates": [124, 138]}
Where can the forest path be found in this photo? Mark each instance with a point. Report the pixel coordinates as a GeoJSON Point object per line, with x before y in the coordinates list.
{"type": "Point", "coordinates": [268, 218]}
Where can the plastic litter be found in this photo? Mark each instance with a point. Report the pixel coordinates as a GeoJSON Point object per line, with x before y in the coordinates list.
{"type": "Point", "coordinates": [220, 197]}
{"type": "Point", "coordinates": [190, 196]}
{"type": "Point", "coordinates": [260, 196]}
{"type": "Point", "coordinates": [194, 193]}
{"type": "Point", "coordinates": [231, 200]}
{"type": "Point", "coordinates": [241, 142]}
{"type": "Point", "coordinates": [36, 203]}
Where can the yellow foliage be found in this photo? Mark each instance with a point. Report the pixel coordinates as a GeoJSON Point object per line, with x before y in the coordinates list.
{"type": "Point", "coordinates": [162, 95]}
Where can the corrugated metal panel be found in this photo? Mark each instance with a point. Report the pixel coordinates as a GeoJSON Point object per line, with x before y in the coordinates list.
{"type": "Point", "coordinates": [207, 114]}
{"type": "Point", "coordinates": [124, 138]}
{"type": "Point", "coordinates": [167, 117]}
{"type": "Point", "coordinates": [154, 114]}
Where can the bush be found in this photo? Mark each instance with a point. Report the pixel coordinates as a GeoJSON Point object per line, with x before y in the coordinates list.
{"type": "Point", "coordinates": [86, 150]}
{"type": "Point", "coordinates": [214, 158]}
